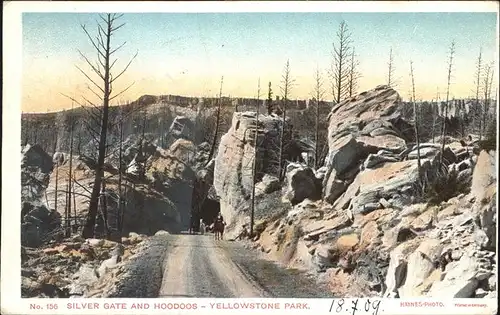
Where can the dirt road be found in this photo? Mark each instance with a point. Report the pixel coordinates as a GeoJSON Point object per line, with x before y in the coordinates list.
{"type": "Point", "coordinates": [198, 266]}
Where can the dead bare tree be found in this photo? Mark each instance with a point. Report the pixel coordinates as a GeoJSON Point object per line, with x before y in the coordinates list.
{"type": "Point", "coordinates": [217, 123]}
{"type": "Point", "coordinates": [319, 93]}
{"type": "Point", "coordinates": [56, 165]}
{"type": "Point", "coordinates": [104, 209]}
{"type": "Point", "coordinates": [269, 99]}
{"type": "Point", "coordinates": [70, 177]}
{"type": "Point", "coordinates": [450, 68]}
{"type": "Point", "coordinates": [416, 120]}
{"type": "Point", "coordinates": [254, 166]}
{"type": "Point", "coordinates": [287, 83]}
{"type": "Point", "coordinates": [103, 69]}
{"type": "Point", "coordinates": [487, 81]}
{"type": "Point", "coordinates": [121, 167]}
{"type": "Point", "coordinates": [479, 67]}
{"type": "Point", "coordinates": [339, 71]}
{"type": "Point", "coordinates": [435, 113]}
{"type": "Point", "coordinates": [75, 218]}
{"type": "Point", "coordinates": [390, 72]}
{"type": "Point", "coordinates": [354, 74]}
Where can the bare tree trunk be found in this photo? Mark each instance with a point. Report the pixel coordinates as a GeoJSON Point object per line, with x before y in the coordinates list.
{"type": "Point", "coordinates": [319, 94]}
{"type": "Point", "coordinates": [339, 71]}
{"type": "Point", "coordinates": [67, 223]}
{"type": "Point", "coordinates": [269, 99]}
{"type": "Point", "coordinates": [478, 78]}
{"type": "Point", "coordinates": [75, 228]}
{"type": "Point", "coordinates": [120, 170]}
{"type": "Point", "coordinates": [122, 219]}
{"type": "Point", "coordinates": [57, 183]}
{"type": "Point", "coordinates": [217, 123]}
{"type": "Point", "coordinates": [103, 66]}
{"type": "Point", "coordinates": [416, 119]}
{"type": "Point", "coordinates": [70, 177]}
{"type": "Point", "coordinates": [390, 73]}
{"type": "Point", "coordinates": [254, 166]}
{"type": "Point", "coordinates": [287, 82]}
{"type": "Point", "coordinates": [450, 67]}
{"type": "Point", "coordinates": [486, 88]}
{"type": "Point", "coordinates": [435, 113]}
{"type": "Point", "coordinates": [353, 75]}
{"type": "Point", "coordinates": [104, 209]}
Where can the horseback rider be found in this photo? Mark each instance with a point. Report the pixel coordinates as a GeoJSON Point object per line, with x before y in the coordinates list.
{"type": "Point", "coordinates": [220, 219]}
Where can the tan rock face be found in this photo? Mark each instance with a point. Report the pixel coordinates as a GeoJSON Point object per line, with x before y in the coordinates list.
{"type": "Point", "coordinates": [369, 235]}
{"type": "Point", "coordinates": [484, 174]}
{"type": "Point", "coordinates": [346, 243]}
{"type": "Point", "coordinates": [233, 171]}
{"type": "Point", "coordinates": [352, 123]}
{"type": "Point", "coordinates": [373, 184]}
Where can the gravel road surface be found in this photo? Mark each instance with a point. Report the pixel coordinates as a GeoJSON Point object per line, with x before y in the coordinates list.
{"type": "Point", "coordinates": [198, 266]}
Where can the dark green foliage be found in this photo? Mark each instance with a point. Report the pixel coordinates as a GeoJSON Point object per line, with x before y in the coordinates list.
{"type": "Point", "coordinates": [490, 143]}
{"type": "Point", "coordinates": [445, 187]}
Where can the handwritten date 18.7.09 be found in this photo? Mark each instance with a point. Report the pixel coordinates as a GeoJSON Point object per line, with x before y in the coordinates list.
{"type": "Point", "coordinates": [370, 307]}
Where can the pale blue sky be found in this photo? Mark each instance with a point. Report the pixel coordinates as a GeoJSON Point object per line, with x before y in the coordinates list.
{"type": "Point", "coordinates": [188, 53]}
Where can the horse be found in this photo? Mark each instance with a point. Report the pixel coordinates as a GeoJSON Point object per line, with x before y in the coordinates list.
{"type": "Point", "coordinates": [219, 230]}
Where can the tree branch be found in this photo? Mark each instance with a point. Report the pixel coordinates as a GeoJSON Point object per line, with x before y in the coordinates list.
{"type": "Point", "coordinates": [111, 98]}
{"type": "Point", "coordinates": [83, 72]}
{"type": "Point", "coordinates": [125, 69]}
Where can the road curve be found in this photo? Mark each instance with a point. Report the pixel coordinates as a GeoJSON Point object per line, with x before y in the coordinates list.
{"type": "Point", "coordinates": [199, 266]}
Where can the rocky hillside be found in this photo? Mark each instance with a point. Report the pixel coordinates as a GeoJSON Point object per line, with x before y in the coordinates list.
{"type": "Point", "coordinates": [157, 190]}
{"type": "Point", "coordinates": [369, 220]}
{"type": "Point", "coordinates": [367, 217]}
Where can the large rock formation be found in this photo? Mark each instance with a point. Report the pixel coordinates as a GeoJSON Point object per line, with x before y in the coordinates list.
{"type": "Point", "coordinates": [233, 164]}
{"type": "Point", "coordinates": [37, 220]}
{"type": "Point", "coordinates": [368, 123]}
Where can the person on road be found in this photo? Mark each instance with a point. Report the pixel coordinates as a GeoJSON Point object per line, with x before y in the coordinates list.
{"type": "Point", "coordinates": [202, 227]}
{"type": "Point", "coordinates": [191, 224]}
{"type": "Point", "coordinates": [220, 218]}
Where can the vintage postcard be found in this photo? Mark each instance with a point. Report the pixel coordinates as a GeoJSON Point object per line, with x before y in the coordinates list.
{"type": "Point", "coordinates": [306, 157]}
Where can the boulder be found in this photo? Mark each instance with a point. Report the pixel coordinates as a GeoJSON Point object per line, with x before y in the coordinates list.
{"type": "Point", "coordinates": [58, 158]}
{"type": "Point", "coordinates": [484, 174]}
{"type": "Point", "coordinates": [421, 264]}
{"type": "Point", "coordinates": [37, 220]}
{"type": "Point", "coordinates": [321, 172]}
{"type": "Point", "coordinates": [334, 188]}
{"type": "Point", "coordinates": [162, 232]}
{"type": "Point", "coordinates": [359, 126]}
{"type": "Point", "coordinates": [391, 181]}
{"type": "Point", "coordinates": [181, 127]}
{"type": "Point", "coordinates": [267, 185]}
{"type": "Point", "coordinates": [462, 278]}
{"type": "Point", "coordinates": [397, 270]}
{"type": "Point", "coordinates": [389, 142]}
{"type": "Point", "coordinates": [301, 184]}
{"type": "Point", "coordinates": [344, 152]}
{"type": "Point", "coordinates": [183, 149]}
{"type": "Point", "coordinates": [375, 159]}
